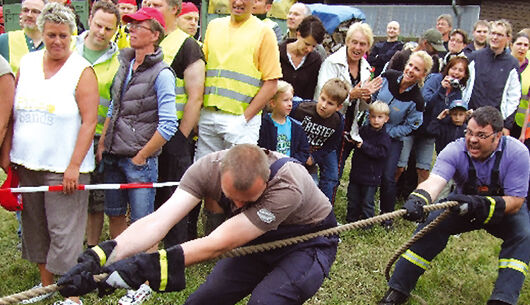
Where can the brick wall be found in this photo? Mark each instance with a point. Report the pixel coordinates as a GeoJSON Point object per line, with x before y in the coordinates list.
{"type": "Point", "coordinates": [515, 11]}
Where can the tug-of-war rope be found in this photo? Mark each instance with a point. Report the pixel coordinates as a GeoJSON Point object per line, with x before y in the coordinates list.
{"type": "Point", "coordinates": [16, 298]}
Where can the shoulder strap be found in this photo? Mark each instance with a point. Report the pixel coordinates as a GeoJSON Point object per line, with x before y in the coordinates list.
{"type": "Point", "coordinates": [495, 184]}
{"type": "Point", "coordinates": [276, 165]}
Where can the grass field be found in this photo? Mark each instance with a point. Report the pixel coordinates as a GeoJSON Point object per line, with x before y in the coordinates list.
{"type": "Point", "coordinates": [462, 274]}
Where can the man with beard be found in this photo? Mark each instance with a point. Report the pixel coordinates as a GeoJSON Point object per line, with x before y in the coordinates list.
{"type": "Point", "coordinates": [480, 37]}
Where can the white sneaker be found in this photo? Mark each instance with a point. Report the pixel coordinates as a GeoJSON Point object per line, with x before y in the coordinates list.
{"type": "Point", "coordinates": [68, 302]}
{"type": "Point", "coordinates": [39, 297]}
{"type": "Point", "coordinates": [136, 297]}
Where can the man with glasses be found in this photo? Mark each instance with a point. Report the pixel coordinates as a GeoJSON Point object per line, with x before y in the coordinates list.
{"type": "Point", "coordinates": [457, 41]}
{"type": "Point", "coordinates": [15, 44]}
{"type": "Point", "coordinates": [491, 173]}
{"type": "Point", "coordinates": [494, 76]}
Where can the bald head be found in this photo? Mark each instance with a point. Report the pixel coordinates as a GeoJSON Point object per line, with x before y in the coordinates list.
{"type": "Point", "coordinates": [297, 13]}
{"type": "Point", "coordinates": [392, 31]}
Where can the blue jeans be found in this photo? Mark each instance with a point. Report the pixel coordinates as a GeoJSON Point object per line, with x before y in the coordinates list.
{"type": "Point", "coordinates": [360, 201]}
{"type": "Point", "coordinates": [328, 173]}
{"type": "Point", "coordinates": [120, 169]}
{"type": "Point", "coordinates": [388, 189]}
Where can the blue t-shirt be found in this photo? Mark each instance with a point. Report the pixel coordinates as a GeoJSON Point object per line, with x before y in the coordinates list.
{"type": "Point", "coordinates": [452, 163]}
{"type": "Point", "coordinates": [284, 137]}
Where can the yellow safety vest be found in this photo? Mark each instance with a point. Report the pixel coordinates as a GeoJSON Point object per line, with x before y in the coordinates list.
{"type": "Point", "coordinates": [232, 78]}
{"type": "Point", "coordinates": [121, 38]}
{"type": "Point", "coordinates": [280, 8]}
{"type": "Point", "coordinates": [17, 48]}
{"type": "Point", "coordinates": [170, 47]}
{"type": "Point", "coordinates": [105, 72]}
{"type": "Point", "coordinates": [523, 104]}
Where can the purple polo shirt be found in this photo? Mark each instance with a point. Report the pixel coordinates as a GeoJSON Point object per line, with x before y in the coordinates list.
{"type": "Point", "coordinates": [514, 170]}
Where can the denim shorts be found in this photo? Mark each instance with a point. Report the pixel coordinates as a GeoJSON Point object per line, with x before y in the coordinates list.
{"type": "Point", "coordinates": [424, 149]}
{"type": "Point", "coordinates": [120, 169]}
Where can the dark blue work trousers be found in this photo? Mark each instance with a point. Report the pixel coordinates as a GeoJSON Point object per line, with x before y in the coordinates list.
{"type": "Point", "coordinates": [514, 230]}
{"type": "Point", "coordinates": [289, 275]}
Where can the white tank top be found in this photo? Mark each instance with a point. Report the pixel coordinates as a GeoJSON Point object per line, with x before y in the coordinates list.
{"type": "Point", "coordinates": [46, 116]}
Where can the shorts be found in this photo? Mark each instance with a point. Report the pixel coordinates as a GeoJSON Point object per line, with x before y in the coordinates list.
{"type": "Point", "coordinates": [53, 223]}
{"type": "Point", "coordinates": [96, 198]}
{"type": "Point", "coordinates": [424, 149]}
{"type": "Point", "coordinates": [219, 130]}
{"type": "Point", "coordinates": [119, 169]}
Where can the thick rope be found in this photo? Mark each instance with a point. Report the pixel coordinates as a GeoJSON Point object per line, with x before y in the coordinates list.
{"type": "Point", "coordinates": [411, 241]}
{"type": "Point", "coordinates": [28, 294]}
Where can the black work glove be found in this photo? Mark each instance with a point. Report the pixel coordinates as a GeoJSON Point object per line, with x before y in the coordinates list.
{"type": "Point", "coordinates": [485, 209]}
{"type": "Point", "coordinates": [414, 205]}
{"type": "Point", "coordinates": [163, 269]}
{"type": "Point", "coordinates": [79, 279]}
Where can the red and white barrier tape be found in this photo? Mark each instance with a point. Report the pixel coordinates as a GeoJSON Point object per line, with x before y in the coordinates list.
{"type": "Point", "coordinates": [88, 187]}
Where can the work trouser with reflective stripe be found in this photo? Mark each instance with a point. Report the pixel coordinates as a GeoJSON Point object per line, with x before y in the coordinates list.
{"type": "Point", "coordinates": [514, 230]}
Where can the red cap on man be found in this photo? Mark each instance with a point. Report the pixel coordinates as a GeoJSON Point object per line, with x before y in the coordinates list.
{"type": "Point", "coordinates": [145, 13]}
{"type": "Point", "coordinates": [188, 7]}
{"type": "Point", "coordinates": [133, 2]}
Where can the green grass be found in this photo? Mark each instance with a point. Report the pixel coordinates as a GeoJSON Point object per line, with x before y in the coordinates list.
{"type": "Point", "coordinates": [463, 273]}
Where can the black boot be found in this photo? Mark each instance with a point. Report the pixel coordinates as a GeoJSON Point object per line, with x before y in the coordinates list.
{"type": "Point", "coordinates": [393, 297]}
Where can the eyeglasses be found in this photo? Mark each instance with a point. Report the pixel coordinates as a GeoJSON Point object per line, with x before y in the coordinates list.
{"type": "Point", "coordinates": [34, 11]}
{"type": "Point", "coordinates": [495, 34]}
{"type": "Point", "coordinates": [480, 135]}
{"type": "Point", "coordinates": [135, 26]}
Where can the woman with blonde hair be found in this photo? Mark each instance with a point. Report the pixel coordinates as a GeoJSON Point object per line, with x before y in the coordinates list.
{"type": "Point", "coordinates": [348, 64]}
{"type": "Point", "coordinates": [401, 91]}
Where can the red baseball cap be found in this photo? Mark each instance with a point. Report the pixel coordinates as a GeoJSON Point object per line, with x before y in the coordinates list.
{"type": "Point", "coordinates": [145, 13]}
{"type": "Point", "coordinates": [188, 7]}
{"type": "Point", "coordinates": [133, 2]}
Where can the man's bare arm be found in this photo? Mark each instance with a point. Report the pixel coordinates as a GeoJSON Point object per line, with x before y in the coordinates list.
{"type": "Point", "coordinates": [149, 230]}
{"type": "Point", "coordinates": [194, 85]}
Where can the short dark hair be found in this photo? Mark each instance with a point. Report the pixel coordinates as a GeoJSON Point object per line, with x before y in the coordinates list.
{"type": "Point", "coordinates": [455, 60]}
{"type": "Point", "coordinates": [312, 26]}
{"type": "Point", "coordinates": [107, 7]}
{"type": "Point", "coordinates": [488, 115]}
{"type": "Point", "coordinates": [461, 32]}
{"type": "Point", "coordinates": [519, 35]}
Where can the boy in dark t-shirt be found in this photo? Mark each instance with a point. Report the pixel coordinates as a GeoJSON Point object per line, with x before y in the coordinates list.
{"type": "Point", "coordinates": [323, 125]}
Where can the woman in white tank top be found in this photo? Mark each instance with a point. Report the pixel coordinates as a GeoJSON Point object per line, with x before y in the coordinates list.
{"type": "Point", "coordinates": [55, 115]}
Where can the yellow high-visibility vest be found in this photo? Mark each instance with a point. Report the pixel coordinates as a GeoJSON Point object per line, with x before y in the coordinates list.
{"type": "Point", "coordinates": [232, 78]}
{"type": "Point", "coordinates": [17, 48]}
{"type": "Point", "coordinates": [105, 72]}
{"type": "Point", "coordinates": [523, 104]}
{"type": "Point", "coordinates": [170, 47]}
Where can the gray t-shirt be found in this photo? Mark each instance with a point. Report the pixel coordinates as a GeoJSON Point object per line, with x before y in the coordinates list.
{"type": "Point", "coordinates": [290, 198]}
{"type": "Point", "coordinates": [4, 66]}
